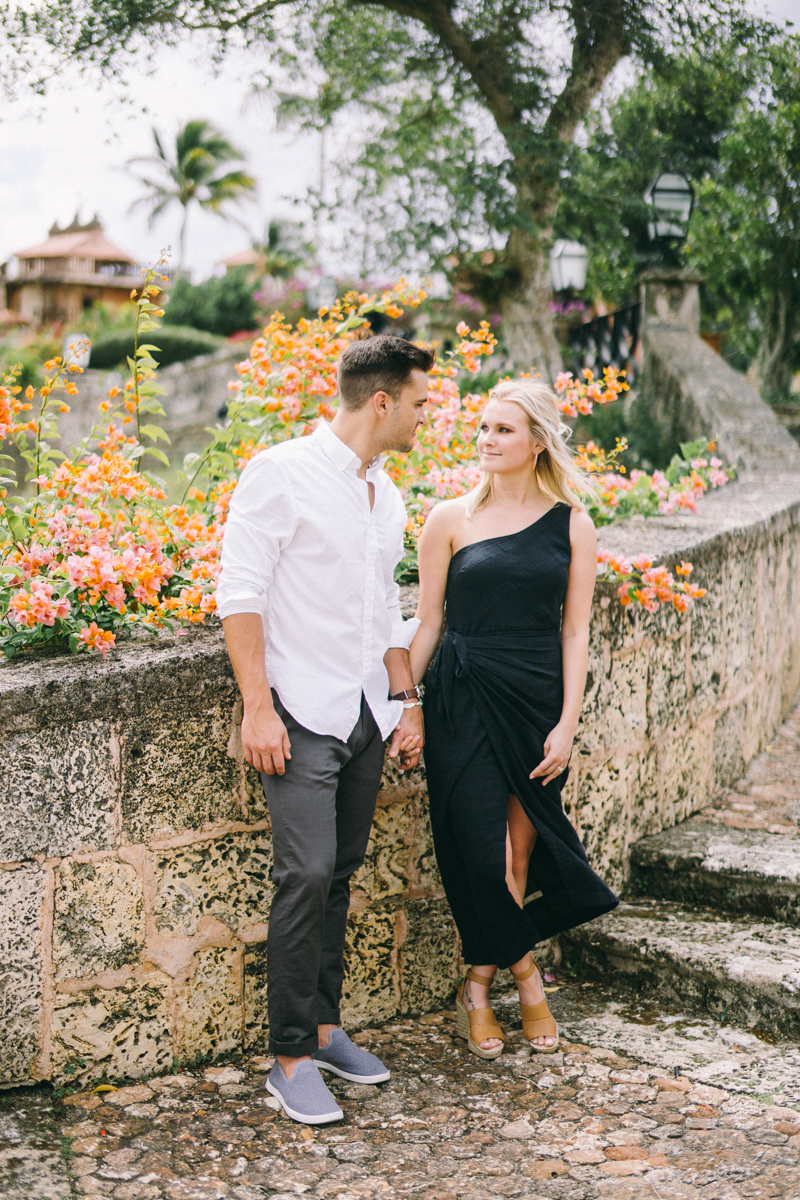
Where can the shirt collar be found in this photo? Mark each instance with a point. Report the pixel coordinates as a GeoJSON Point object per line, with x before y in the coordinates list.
{"type": "Point", "coordinates": [340, 454]}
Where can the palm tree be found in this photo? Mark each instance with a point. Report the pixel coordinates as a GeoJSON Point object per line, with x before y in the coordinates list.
{"type": "Point", "coordinates": [191, 173]}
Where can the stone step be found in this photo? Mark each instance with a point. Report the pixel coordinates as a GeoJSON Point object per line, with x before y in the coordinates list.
{"type": "Point", "coordinates": [734, 870]}
{"type": "Point", "coordinates": [741, 970]}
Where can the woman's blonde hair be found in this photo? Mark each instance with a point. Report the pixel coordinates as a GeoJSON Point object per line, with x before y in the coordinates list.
{"type": "Point", "coordinates": [556, 472]}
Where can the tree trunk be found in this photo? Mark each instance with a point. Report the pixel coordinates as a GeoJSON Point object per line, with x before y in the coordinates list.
{"type": "Point", "coordinates": [528, 329]}
{"type": "Point", "coordinates": [776, 354]}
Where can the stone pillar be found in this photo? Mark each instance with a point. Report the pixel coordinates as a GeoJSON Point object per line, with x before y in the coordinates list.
{"type": "Point", "coordinates": [671, 299]}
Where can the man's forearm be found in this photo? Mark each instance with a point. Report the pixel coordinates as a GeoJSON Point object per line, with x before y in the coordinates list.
{"type": "Point", "coordinates": [398, 667]}
{"type": "Point", "coordinates": [244, 637]}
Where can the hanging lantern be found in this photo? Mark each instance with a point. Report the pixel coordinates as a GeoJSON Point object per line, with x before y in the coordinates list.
{"type": "Point", "coordinates": [670, 199]}
{"type": "Point", "coordinates": [321, 293]}
{"type": "Point", "coordinates": [568, 262]}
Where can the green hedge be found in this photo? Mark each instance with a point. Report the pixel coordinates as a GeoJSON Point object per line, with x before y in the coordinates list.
{"type": "Point", "coordinates": [176, 342]}
{"type": "Point", "coordinates": [221, 305]}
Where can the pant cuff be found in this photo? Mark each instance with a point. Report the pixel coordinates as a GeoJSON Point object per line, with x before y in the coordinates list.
{"type": "Point", "coordinates": [328, 1016]}
{"type": "Point", "coordinates": [294, 1049]}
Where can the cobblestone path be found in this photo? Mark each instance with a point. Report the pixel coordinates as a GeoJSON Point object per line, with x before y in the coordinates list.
{"type": "Point", "coordinates": [646, 1104]}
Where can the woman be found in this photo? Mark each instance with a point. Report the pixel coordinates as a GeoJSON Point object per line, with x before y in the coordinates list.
{"type": "Point", "coordinates": [512, 567]}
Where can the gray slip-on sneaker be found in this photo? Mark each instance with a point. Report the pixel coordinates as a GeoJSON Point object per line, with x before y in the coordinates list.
{"type": "Point", "coordinates": [349, 1061]}
{"type": "Point", "coordinates": [305, 1097]}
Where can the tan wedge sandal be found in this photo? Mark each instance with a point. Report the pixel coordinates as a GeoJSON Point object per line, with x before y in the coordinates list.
{"type": "Point", "coordinates": [477, 1024]}
{"type": "Point", "coordinates": [537, 1020]}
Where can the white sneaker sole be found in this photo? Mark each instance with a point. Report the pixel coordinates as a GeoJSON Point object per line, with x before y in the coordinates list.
{"type": "Point", "coordinates": [349, 1076]}
{"type": "Point", "coordinates": [303, 1118]}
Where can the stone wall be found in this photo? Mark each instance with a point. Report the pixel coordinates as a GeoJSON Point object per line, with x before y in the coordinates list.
{"type": "Point", "coordinates": [691, 392]}
{"type": "Point", "coordinates": [135, 877]}
{"type": "Point", "coordinates": [134, 843]}
{"type": "Point", "coordinates": [194, 392]}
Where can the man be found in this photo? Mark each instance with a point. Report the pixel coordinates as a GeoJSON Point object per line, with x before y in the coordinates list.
{"type": "Point", "coordinates": [320, 651]}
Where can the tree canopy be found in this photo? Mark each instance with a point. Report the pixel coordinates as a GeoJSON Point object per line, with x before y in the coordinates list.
{"type": "Point", "coordinates": [469, 107]}
{"type": "Point", "coordinates": [731, 123]}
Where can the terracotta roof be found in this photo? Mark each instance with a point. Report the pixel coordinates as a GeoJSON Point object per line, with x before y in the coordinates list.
{"type": "Point", "coordinates": [86, 244]}
{"type": "Point", "coordinates": [244, 258]}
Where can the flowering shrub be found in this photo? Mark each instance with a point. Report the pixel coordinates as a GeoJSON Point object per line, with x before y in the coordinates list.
{"type": "Point", "coordinates": [658, 585]}
{"type": "Point", "coordinates": [96, 550]}
{"type": "Point", "coordinates": [619, 495]}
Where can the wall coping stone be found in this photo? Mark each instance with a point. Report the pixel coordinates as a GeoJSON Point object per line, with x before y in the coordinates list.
{"type": "Point", "coordinates": [37, 692]}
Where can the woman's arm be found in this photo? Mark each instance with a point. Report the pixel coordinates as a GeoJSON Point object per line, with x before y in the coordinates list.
{"type": "Point", "coordinates": [574, 644]}
{"type": "Point", "coordinates": [434, 554]}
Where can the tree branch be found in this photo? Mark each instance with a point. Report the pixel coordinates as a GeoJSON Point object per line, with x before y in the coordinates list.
{"type": "Point", "coordinates": [484, 69]}
{"type": "Point", "coordinates": [238, 22]}
{"type": "Point", "coordinates": [600, 41]}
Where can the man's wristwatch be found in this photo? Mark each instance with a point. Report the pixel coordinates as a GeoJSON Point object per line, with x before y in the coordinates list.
{"type": "Point", "coordinates": [409, 694]}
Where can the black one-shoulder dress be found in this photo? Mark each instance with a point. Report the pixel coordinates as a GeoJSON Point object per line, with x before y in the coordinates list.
{"type": "Point", "coordinates": [493, 693]}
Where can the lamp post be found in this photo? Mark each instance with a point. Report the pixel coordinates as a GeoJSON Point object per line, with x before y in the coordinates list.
{"type": "Point", "coordinates": [568, 262]}
{"type": "Point", "coordinates": [321, 293]}
{"type": "Point", "coordinates": [670, 200]}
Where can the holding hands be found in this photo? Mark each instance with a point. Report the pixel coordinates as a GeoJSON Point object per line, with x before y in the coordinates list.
{"type": "Point", "coordinates": [408, 738]}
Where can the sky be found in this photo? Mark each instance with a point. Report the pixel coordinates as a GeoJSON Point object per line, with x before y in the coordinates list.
{"type": "Point", "coordinates": [68, 152]}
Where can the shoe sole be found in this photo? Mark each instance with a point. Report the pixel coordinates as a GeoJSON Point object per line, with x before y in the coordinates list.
{"type": "Point", "coordinates": [316, 1119]}
{"type": "Point", "coordinates": [349, 1076]}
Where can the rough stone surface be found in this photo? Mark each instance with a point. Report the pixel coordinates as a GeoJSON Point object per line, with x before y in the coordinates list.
{"type": "Point", "coordinates": [641, 1102]}
{"type": "Point", "coordinates": [176, 770]}
{"type": "Point", "coordinates": [227, 877]}
{"type": "Point", "coordinates": [737, 870]}
{"type": "Point", "coordinates": [691, 392]}
{"type": "Point", "coordinates": [32, 1161]}
{"type": "Point", "coordinates": [99, 918]}
{"type": "Point", "coordinates": [58, 790]}
{"type": "Point", "coordinates": [747, 968]}
{"type": "Point", "coordinates": [117, 1030]}
{"type": "Point", "coordinates": [21, 902]}
{"type": "Point", "coordinates": [209, 1006]}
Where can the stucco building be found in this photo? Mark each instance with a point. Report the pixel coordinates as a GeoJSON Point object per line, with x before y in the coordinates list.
{"type": "Point", "coordinates": [59, 279]}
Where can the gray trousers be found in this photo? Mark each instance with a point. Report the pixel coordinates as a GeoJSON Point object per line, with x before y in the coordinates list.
{"type": "Point", "coordinates": [321, 812]}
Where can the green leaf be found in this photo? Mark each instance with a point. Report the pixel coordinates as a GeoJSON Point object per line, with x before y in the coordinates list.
{"type": "Point", "coordinates": [159, 454]}
{"type": "Point", "coordinates": [155, 432]}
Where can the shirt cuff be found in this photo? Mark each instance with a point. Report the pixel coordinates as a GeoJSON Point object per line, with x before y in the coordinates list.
{"type": "Point", "coordinates": [403, 633]}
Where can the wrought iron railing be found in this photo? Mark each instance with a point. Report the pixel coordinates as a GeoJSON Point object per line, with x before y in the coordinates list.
{"type": "Point", "coordinates": [608, 341]}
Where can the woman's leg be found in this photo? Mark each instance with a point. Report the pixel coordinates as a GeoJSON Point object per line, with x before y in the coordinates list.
{"type": "Point", "coordinates": [519, 847]}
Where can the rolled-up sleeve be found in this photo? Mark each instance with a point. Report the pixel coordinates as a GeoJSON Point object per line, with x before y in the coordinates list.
{"type": "Point", "coordinates": [260, 524]}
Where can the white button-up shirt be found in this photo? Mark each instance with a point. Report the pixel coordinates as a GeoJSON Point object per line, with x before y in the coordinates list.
{"type": "Point", "coordinates": [302, 548]}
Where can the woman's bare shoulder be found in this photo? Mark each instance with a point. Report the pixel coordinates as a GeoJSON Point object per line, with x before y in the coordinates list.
{"type": "Point", "coordinates": [581, 528]}
{"type": "Point", "coordinates": [446, 516]}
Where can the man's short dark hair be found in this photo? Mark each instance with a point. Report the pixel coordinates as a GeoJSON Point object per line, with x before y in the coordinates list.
{"type": "Point", "coordinates": [379, 364]}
